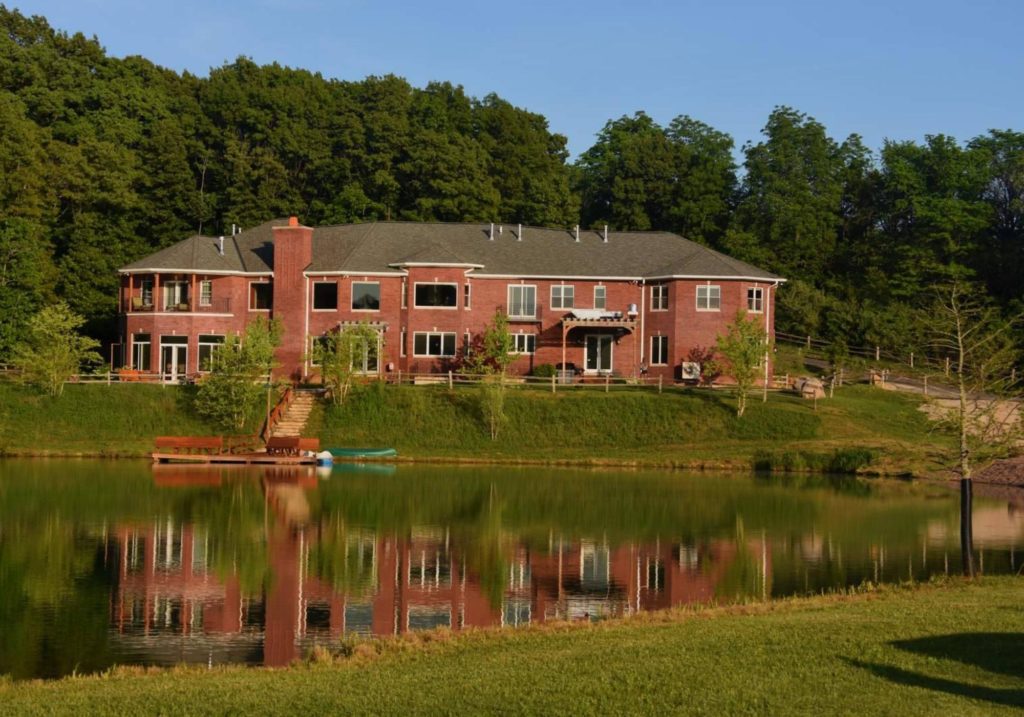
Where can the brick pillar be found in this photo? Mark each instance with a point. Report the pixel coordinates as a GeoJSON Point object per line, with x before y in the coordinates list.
{"type": "Point", "coordinates": [293, 252]}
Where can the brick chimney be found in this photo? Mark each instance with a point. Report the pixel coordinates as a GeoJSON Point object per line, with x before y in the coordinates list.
{"type": "Point", "coordinates": [293, 252]}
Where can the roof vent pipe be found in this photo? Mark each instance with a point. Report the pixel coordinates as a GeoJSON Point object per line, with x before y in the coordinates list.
{"type": "Point", "coordinates": [519, 233]}
{"type": "Point", "coordinates": [577, 232]}
{"type": "Point", "coordinates": [605, 234]}
{"type": "Point", "coordinates": [220, 245]}
{"type": "Point", "coordinates": [490, 235]}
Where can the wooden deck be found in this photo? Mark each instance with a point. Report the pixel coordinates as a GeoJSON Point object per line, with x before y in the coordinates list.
{"type": "Point", "coordinates": [234, 458]}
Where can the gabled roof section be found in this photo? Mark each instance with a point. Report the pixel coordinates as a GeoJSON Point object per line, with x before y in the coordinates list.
{"type": "Point", "coordinates": [529, 252]}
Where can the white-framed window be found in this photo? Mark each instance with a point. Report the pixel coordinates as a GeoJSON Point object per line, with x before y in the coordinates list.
{"type": "Point", "coordinates": [524, 343]}
{"type": "Point", "coordinates": [522, 301]}
{"type": "Point", "coordinates": [364, 360]}
{"type": "Point", "coordinates": [205, 292]}
{"type": "Point", "coordinates": [659, 350]}
{"type": "Point", "coordinates": [141, 352]}
{"type": "Point", "coordinates": [659, 297]}
{"type": "Point", "coordinates": [401, 341]}
{"type": "Point", "coordinates": [433, 343]}
{"type": "Point", "coordinates": [261, 295]}
{"type": "Point", "coordinates": [366, 296]}
{"type": "Point", "coordinates": [405, 294]}
{"type": "Point", "coordinates": [709, 297]}
{"type": "Point", "coordinates": [600, 296]}
{"type": "Point", "coordinates": [467, 295]}
{"type": "Point", "coordinates": [325, 296]}
{"type": "Point", "coordinates": [176, 295]}
{"type": "Point", "coordinates": [208, 344]}
{"type": "Point", "coordinates": [755, 300]}
{"type": "Point", "coordinates": [436, 296]}
{"type": "Point", "coordinates": [563, 296]}
{"type": "Point", "coordinates": [467, 344]}
{"type": "Point", "coordinates": [147, 291]}
{"type": "Point", "coordinates": [317, 345]}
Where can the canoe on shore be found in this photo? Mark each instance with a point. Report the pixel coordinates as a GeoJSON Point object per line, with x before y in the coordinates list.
{"type": "Point", "coordinates": [362, 452]}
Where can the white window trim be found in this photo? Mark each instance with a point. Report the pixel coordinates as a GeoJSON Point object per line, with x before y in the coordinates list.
{"type": "Point", "coordinates": [509, 305]}
{"type": "Point", "coordinates": [352, 297]}
{"type": "Point", "coordinates": [204, 299]}
{"type": "Point", "coordinates": [436, 308]}
{"type": "Point", "coordinates": [467, 297]}
{"type": "Point", "coordinates": [252, 296]}
{"type": "Point", "coordinates": [561, 298]}
{"type": "Point", "coordinates": [664, 359]}
{"type": "Point", "coordinates": [662, 297]}
{"type": "Point", "coordinates": [428, 334]}
{"type": "Point", "coordinates": [708, 288]}
{"type": "Point", "coordinates": [405, 293]}
{"type": "Point", "coordinates": [402, 336]}
{"type": "Point", "coordinates": [760, 299]}
{"type": "Point", "coordinates": [604, 297]}
{"type": "Point", "coordinates": [199, 349]}
{"type": "Point", "coordinates": [312, 298]}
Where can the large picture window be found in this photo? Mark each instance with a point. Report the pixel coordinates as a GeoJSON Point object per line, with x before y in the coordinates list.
{"type": "Point", "coordinates": [208, 344]}
{"type": "Point", "coordinates": [366, 296]}
{"type": "Point", "coordinates": [709, 297]}
{"type": "Point", "coordinates": [433, 343]}
{"type": "Point", "coordinates": [522, 301]}
{"type": "Point", "coordinates": [261, 296]}
{"type": "Point", "coordinates": [563, 296]}
{"type": "Point", "coordinates": [437, 296]}
{"type": "Point", "coordinates": [659, 350]}
{"type": "Point", "coordinates": [325, 295]}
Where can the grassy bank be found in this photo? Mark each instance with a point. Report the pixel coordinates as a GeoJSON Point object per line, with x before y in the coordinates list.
{"type": "Point", "coordinates": [951, 649]}
{"type": "Point", "coordinates": [93, 419]}
{"type": "Point", "coordinates": [859, 427]}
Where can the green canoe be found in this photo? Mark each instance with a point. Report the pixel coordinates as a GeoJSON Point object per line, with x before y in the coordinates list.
{"type": "Point", "coordinates": [362, 452]}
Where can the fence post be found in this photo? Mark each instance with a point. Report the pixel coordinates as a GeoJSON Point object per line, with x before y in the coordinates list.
{"type": "Point", "coordinates": [449, 379]}
{"type": "Point", "coordinates": [911, 359]}
{"type": "Point", "coordinates": [878, 354]}
{"type": "Point", "coordinates": [926, 385]}
{"type": "Point", "coordinates": [553, 382]}
{"type": "Point", "coordinates": [607, 381]}
{"type": "Point", "coordinates": [659, 384]}
{"type": "Point", "coordinates": [808, 343]}
{"type": "Point", "coordinates": [947, 367]}
{"type": "Point", "coordinates": [108, 378]}
{"type": "Point", "coordinates": [399, 377]}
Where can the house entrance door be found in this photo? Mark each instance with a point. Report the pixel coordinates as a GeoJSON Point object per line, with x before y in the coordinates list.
{"type": "Point", "coordinates": [599, 353]}
{"type": "Point", "coordinates": [173, 358]}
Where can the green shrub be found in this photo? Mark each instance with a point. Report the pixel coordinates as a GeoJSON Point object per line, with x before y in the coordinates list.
{"type": "Point", "coordinates": [544, 370]}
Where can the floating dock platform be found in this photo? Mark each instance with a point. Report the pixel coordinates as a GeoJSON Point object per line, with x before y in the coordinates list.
{"type": "Point", "coordinates": [235, 459]}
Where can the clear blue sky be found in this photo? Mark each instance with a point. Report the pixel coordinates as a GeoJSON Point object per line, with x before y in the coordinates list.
{"type": "Point", "coordinates": [897, 69]}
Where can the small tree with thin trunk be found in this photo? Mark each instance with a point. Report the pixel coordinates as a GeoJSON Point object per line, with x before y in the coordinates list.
{"type": "Point", "coordinates": [239, 375]}
{"type": "Point", "coordinates": [743, 347]}
{"type": "Point", "coordinates": [494, 354]}
{"type": "Point", "coordinates": [53, 350]}
{"type": "Point", "coordinates": [986, 418]}
{"type": "Point", "coordinates": [341, 355]}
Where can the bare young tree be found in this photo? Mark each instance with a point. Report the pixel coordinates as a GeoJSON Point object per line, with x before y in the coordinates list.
{"type": "Point", "coordinates": [986, 419]}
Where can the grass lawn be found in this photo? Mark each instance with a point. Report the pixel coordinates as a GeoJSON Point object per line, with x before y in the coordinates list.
{"type": "Point", "coordinates": [676, 428]}
{"type": "Point", "coordinates": [956, 648]}
{"type": "Point", "coordinates": [116, 420]}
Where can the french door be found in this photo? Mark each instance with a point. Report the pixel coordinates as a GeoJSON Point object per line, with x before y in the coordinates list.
{"type": "Point", "coordinates": [173, 358]}
{"type": "Point", "coordinates": [599, 353]}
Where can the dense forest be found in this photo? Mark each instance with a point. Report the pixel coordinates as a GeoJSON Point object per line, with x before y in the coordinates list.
{"type": "Point", "coordinates": [103, 160]}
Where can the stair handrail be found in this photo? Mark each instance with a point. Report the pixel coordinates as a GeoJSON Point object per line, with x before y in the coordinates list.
{"type": "Point", "coordinates": [275, 414]}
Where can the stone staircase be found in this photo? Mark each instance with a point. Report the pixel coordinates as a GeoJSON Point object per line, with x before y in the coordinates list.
{"type": "Point", "coordinates": [294, 420]}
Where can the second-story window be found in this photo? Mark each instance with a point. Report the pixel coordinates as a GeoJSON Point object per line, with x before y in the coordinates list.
{"type": "Point", "coordinates": [563, 296]}
{"type": "Point", "coordinates": [467, 295]}
{"type": "Point", "coordinates": [522, 301]}
{"type": "Point", "coordinates": [205, 292]}
{"type": "Point", "coordinates": [366, 296]}
{"type": "Point", "coordinates": [436, 296]}
{"type": "Point", "coordinates": [325, 295]}
{"type": "Point", "coordinates": [659, 297]}
{"type": "Point", "coordinates": [600, 295]}
{"type": "Point", "coordinates": [755, 300]}
{"type": "Point", "coordinates": [147, 292]}
{"type": "Point", "coordinates": [709, 297]}
{"type": "Point", "coordinates": [261, 296]}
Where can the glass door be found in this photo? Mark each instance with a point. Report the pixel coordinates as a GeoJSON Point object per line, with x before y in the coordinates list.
{"type": "Point", "coordinates": [599, 353]}
{"type": "Point", "coordinates": [173, 358]}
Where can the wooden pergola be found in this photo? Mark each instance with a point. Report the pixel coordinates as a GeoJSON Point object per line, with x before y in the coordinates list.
{"type": "Point", "coordinates": [573, 322]}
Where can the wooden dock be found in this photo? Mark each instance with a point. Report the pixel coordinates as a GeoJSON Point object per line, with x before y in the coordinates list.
{"type": "Point", "coordinates": [234, 459]}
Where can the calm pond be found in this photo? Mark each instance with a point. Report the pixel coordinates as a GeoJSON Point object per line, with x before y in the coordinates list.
{"type": "Point", "coordinates": [105, 563]}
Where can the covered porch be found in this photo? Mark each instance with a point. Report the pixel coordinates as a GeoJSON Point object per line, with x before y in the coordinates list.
{"type": "Point", "coordinates": [600, 333]}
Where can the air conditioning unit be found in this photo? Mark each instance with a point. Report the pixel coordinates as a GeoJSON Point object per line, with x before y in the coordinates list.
{"type": "Point", "coordinates": [689, 371]}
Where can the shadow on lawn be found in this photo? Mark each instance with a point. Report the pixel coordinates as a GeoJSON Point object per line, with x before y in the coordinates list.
{"type": "Point", "coordinates": [996, 652]}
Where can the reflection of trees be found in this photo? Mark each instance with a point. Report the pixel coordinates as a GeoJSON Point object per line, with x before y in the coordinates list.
{"type": "Point", "coordinates": [344, 558]}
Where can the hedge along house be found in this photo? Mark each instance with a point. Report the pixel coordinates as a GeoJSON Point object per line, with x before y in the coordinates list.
{"type": "Point", "coordinates": [598, 302]}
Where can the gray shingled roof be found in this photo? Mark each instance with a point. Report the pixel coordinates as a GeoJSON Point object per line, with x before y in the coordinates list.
{"type": "Point", "coordinates": [383, 246]}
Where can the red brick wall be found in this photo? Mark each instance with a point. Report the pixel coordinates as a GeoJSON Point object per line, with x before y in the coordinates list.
{"type": "Point", "coordinates": [293, 251]}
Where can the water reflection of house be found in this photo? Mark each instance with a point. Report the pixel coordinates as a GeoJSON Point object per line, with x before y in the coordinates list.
{"type": "Point", "coordinates": [419, 581]}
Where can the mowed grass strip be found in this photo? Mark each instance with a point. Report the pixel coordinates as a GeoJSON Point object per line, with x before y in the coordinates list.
{"type": "Point", "coordinates": [954, 648]}
{"type": "Point", "coordinates": [677, 427]}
